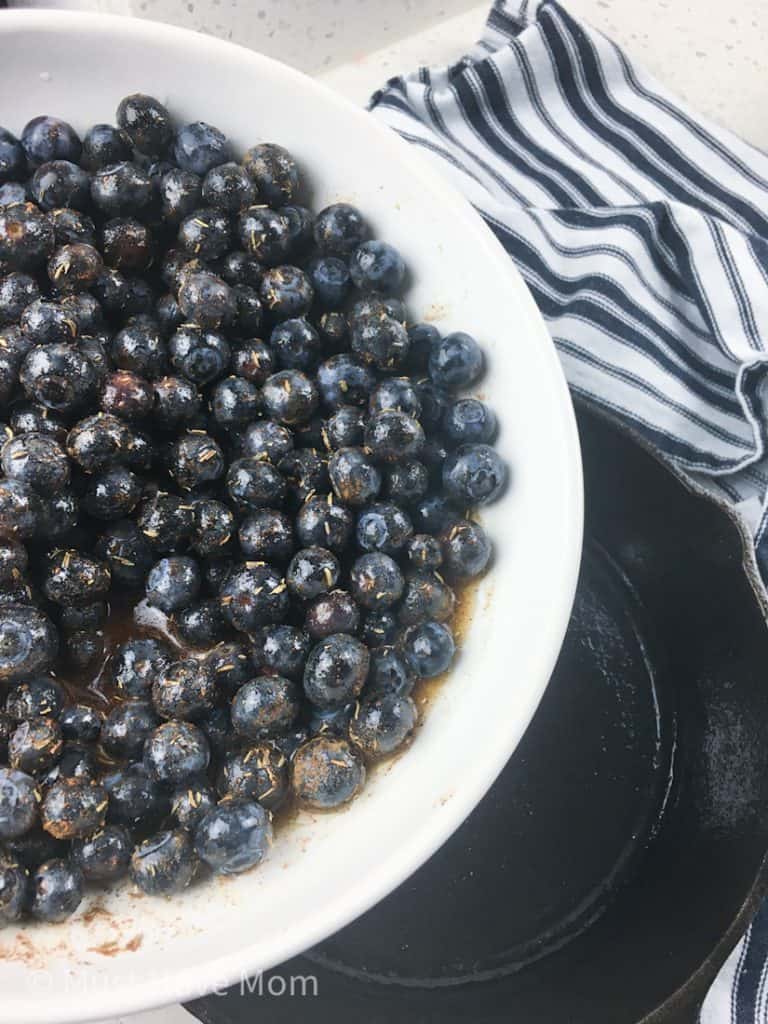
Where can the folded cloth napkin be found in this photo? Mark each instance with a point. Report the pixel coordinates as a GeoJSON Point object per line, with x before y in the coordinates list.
{"type": "Point", "coordinates": [642, 232]}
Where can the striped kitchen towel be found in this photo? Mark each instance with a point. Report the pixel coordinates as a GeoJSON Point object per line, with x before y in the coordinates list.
{"type": "Point", "coordinates": [642, 232]}
{"type": "Point", "coordinates": [640, 227]}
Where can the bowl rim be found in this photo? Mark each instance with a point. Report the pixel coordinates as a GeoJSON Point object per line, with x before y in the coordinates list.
{"type": "Point", "coordinates": [228, 968]}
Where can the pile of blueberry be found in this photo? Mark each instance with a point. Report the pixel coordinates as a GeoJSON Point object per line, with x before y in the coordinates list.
{"type": "Point", "coordinates": [212, 400]}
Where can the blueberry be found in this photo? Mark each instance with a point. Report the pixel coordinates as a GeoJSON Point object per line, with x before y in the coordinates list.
{"type": "Point", "coordinates": [205, 234]}
{"type": "Point", "coordinates": [146, 122]}
{"type": "Point", "coordinates": [406, 481]}
{"type": "Point", "coordinates": [103, 856]}
{"type": "Point", "coordinates": [175, 751]}
{"type": "Point", "coordinates": [290, 397]}
{"type": "Point", "coordinates": [336, 670]}
{"type": "Point", "coordinates": [377, 266]}
{"type": "Point", "coordinates": [177, 402]}
{"type": "Point", "coordinates": [474, 474]}
{"type": "Point", "coordinates": [37, 461]}
{"type": "Point", "coordinates": [13, 876]}
{"type": "Point", "coordinates": [13, 193]}
{"type": "Point", "coordinates": [104, 144]}
{"type": "Point", "coordinates": [173, 583]}
{"type": "Point", "coordinates": [295, 344]}
{"type": "Point", "coordinates": [233, 837]}
{"type": "Point", "coordinates": [300, 223]}
{"type": "Point", "coordinates": [13, 161]}
{"type": "Point", "coordinates": [49, 138]}
{"type": "Point", "coordinates": [201, 624]}
{"type": "Point", "coordinates": [264, 707]}
{"type": "Point", "coordinates": [254, 595]}
{"type": "Point", "coordinates": [18, 803]}
{"type": "Point", "coordinates": [58, 376]}
{"type": "Point", "coordinates": [126, 552]}
{"type": "Point", "coordinates": [125, 729]}
{"type": "Point", "coordinates": [380, 725]}
{"type": "Point", "coordinates": [354, 478]}
{"type": "Point", "coordinates": [390, 674]}
{"type": "Point", "coordinates": [59, 183]}
{"type": "Point", "coordinates": [426, 596]}
{"type": "Point", "coordinates": [44, 323]}
{"type": "Point", "coordinates": [166, 521]}
{"type": "Point", "coordinates": [235, 403]}
{"type": "Point", "coordinates": [383, 526]}
{"type": "Point", "coordinates": [343, 380]}
{"type": "Point", "coordinates": [27, 237]}
{"type": "Point", "coordinates": [213, 526]}
{"type": "Point", "coordinates": [122, 296]}
{"type": "Point", "coordinates": [312, 571]}
{"type": "Point", "coordinates": [253, 483]}
{"type": "Point", "coordinates": [56, 891]}
{"type": "Point", "coordinates": [469, 421]}
{"type": "Point", "coordinates": [379, 628]}
{"type": "Point", "coordinates": [326, 772]}
{"type": "Point", "coordinates": [434, 513]}
{"type": "Point", "coordinates": [334, 331]}
{"type": "Point", "coordinates": [135, 800]}
{"type": "Point", "coordinates": [168, 314]}
{"type": "Point", "coordinates": [229, 665]}
{"type": "Point", "coordinates": [267, 440]}
{"type": "Point", "coordinates": [394, 435]}
{"type": "Point", "coordinates": [422, 337]}
{"type": "Point", "coordinates": [331, 722]}
{"type": "Point", "coordinates": [255, 773]}
{"type": "Point", "coordinates": [180, 194]}
{"type": "Point", "coordinates": [345, 428]}
{"type": "Point", "coordinates": [199, 147]}
{"type": "Point", "coordinates": [238, 267]}
{"type": "Point", "coordinates": [255, 361]}
{"type": "Point", "coordinates": [58, 516]}
{"type": "Point", "coordinates": [72, 226]}
{"type": "Point", "coordinates": [28, 642]}
{"type": "Point", "coordinates": [183, 690]}
{"type": "Point", "coordinates": [330, 279]}
{"type": "Point", "coordinates": [395, 393]}
{"type": "Point", "coordinates": [429, 647]}
{"type": "Point", "coordinates": [31, 418]}
{"type": "Point", "coordinates": [339, 229]}
{"type": "Point", "coordinates": [164, 863]}
{"type": "Point", "coordinates": [35, 746]}
{"type": "Point", "coordinates": [282, 650]}
{"type": "Point", "coordinates": [121, 189]}
{"type": "Point", "coordinates": [455, 361]}
{"type": "Point", "coordinates": [75, 578]}
{"type": "Point", "coordinates": [267, 534]}
{"type": "Point", "coordinates": [381, 342]}
{"type": "Point", "coordinates": [229, 188]}
{"type": "Point", "coordinates": [73, 808]}
{"type": "Point", "coordinates": [126, 244]}
{"type": "Point", "coordinates": [17, 291]}
{"type": "Point", "coordinates": [196, 460]}
{"type": "Point", "coordinates": [191, 801]}
{"type": "Point", "coordinates": [305, 474]}
{"type": "Point", "coordinates": [466, 548]}
{"type": "Point", "coordinates": [335, 612]}
{"type": "Point", "coordinates": [424, 551]}
{"type": "Point", "coordinates": [127, 395]}
{"type": "Point", "coordinates": [264, 234]}
{"type": "Point", "coordinates": [273, 172]}
{"type": "Point", "coordinates": [35, 698]}
{"type": "Point", "coordinates": [138, 347]}
{"type": "Point", "coordinates": [377, 307]}
{"type": "Point", "coordinates": [376, 581]}
{"type": "Point", "coordinates": [286, 292]}
{"type": "Point", "coordinates": [80, 723]}
{"type": "Point", "coordinates": [248, 317]}
{"type": "Point", "coordinates": [112, 494]}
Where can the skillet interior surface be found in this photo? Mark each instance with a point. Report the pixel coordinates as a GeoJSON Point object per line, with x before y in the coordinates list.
{"type": "Point", "coordinates": [619, 856]}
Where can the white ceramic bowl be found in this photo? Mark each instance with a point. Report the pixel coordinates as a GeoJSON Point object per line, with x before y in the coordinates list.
{"type": "Point", "coordinates": [125, 953]}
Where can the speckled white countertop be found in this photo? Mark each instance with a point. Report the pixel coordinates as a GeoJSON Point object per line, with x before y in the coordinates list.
{"type": "Point", "coordinates": [709, 52]}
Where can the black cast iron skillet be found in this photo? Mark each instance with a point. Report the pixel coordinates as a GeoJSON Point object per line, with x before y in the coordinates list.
{"type": "Point", "coordinates": [622, 852]}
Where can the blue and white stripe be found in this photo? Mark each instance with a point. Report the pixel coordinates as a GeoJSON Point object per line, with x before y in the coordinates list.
{"type": "Point", "coordinates": [642, 231]}
{"type": "Point", "coordinates": [640, 228]}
